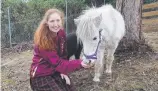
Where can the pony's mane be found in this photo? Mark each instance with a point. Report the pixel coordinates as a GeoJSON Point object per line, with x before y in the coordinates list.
{"type": "Point", "coordinates": [85, 28]}
{"type": "Point", "coordinates": [94, 11]}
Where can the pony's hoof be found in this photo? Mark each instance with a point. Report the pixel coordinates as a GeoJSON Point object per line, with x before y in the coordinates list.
{"type": "Point", "coordinates": [96, 79]}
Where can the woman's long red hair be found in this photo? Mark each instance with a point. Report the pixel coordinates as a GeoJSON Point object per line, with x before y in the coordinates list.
{"type": "Point", "coordinates": [43, 37]}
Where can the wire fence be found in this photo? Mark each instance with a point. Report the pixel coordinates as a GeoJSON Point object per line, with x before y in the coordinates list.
{"type": "Point", "coordinates": [22, 31]}
{"type": "Point", "coordinates": [15, 30]}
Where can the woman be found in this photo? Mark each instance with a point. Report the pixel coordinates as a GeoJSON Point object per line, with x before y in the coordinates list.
{"type": "Point", "coordinates": [50, 66]}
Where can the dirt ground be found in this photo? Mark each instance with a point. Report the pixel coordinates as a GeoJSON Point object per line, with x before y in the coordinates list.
{"type": "Point", "coordinates": [131, 71]}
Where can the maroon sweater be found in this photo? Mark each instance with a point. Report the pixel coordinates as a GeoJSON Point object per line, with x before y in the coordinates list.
{"type": "Point", "coordinates": [47, 62]}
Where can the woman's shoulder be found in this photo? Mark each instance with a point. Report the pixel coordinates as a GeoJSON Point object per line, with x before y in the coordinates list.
{"type": "Point", "coordinates": [61, 33]}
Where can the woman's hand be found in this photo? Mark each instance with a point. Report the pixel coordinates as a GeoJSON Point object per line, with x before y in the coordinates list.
{"type": "Point", "coordinates": [66, 78]}
{"type": "Point", "coordinates": [85, 65]}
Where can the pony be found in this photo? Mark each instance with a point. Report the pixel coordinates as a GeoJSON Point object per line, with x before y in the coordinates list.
{"type": "Point", "coordinates": [73, 47]}
{"type": "Point", "coordinates": [100, 30]}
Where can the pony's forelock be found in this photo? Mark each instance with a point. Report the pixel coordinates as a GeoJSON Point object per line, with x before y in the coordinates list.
{"type": "Point", "coordinates": [86, 26]}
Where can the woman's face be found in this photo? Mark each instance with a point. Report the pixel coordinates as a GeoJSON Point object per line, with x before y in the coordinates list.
{"type": "Point", "coordinates": [54, 22]}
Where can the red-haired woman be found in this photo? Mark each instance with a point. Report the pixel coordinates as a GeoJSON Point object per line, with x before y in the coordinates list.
{"type": "Point", "coordinates": [49, 64]}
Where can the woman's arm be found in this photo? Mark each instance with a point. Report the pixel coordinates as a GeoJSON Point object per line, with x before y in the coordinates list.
{"type": "Point", "coordinates": [61, 65]}
{"type": "Point", "coordinates": [64, 66]}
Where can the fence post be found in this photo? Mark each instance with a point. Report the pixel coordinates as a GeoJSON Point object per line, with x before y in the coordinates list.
{"type": "Point", "coordinates": [10, 35]}
{"type": "Point", "coordinates": [66, 16]}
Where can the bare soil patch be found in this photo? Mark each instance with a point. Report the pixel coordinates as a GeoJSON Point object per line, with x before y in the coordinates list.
{"type": "Point", "coordinates": [131, 71]}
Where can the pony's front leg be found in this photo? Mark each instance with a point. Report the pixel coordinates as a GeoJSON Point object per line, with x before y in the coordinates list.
{"type": "Point", "coordinates": [109, 60]}
{"type": "Point", "coordinates": [97, 72]}
{"type": "Point", "coordinates": [99, 66]}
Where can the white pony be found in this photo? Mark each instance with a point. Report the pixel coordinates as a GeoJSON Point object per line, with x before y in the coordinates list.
{"type": "Point", "coordinates": [99, 29]}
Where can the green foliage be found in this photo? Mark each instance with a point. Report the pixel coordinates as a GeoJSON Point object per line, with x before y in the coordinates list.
{"type": "Point", "coordinates": [25, 16]}
{"type": "Point", "coordinates": [99, 3]}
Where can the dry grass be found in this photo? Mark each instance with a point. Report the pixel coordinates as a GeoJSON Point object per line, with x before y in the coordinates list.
{"type": "Point", "coordinates": [152, 40]}
{"type": "Point", "coordinates": [131, 72]}
{"type": "Point", "coordinates": [15, 71]}
{"type": "Point", "coordinates": [138, 73]}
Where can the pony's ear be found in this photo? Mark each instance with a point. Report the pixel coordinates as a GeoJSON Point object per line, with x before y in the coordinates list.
{"type": "Point", "coordinates": [76, 21]}
{"type": "Point", "coordinates": [97, 20]}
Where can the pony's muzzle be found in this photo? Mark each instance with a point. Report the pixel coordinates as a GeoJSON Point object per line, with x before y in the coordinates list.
{"type": "Point", "coordinates": [91, 61]}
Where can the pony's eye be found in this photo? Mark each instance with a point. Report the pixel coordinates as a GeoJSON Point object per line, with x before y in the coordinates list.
{"type": "Point", "coordinates": [94, 38]}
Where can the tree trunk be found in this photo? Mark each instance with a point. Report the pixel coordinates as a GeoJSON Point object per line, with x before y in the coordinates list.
{"type": "Point", "coordinates": [132, 12]}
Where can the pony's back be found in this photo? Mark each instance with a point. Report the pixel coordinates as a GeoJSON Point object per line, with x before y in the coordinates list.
{"type": "Point", "coordinates": [112, 21]}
